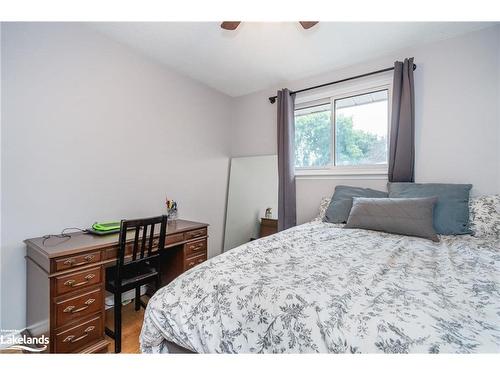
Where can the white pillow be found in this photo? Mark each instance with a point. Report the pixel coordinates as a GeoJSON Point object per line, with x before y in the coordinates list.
{"type": "Point", "coordinates": [484, 216]}
{"type": "Point", "coordinates": [325, 202]}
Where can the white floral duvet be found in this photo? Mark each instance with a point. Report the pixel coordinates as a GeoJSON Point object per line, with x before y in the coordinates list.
{"type": "Point", "coordinates": [321, 288]}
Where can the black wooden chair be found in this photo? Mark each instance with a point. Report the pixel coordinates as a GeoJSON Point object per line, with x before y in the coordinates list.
{"type": "Point", "coordinates": [143, 267]}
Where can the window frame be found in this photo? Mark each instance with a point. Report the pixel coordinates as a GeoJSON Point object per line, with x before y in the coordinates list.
{"type": "Point", "coordinates": [365, 86]}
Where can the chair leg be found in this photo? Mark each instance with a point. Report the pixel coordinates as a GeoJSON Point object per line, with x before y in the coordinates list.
{"type": "Point", "coordinates": [137, 298]}
{"type": "Point", "coordinates": [118, 322]}
{"type": "Point", "coordinates": [157, 283]}
{"type": "Point", "coordinates": [109, 332]}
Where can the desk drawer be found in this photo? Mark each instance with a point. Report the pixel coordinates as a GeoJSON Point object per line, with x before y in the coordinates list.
{"type": "Point", "coordinates": [76, 337]}
{"type": "Point", "coordinates": [78, 280]}
{"type": "Point", "coordinates": [196, 248]}
{"type": "Point", "coordinates": [191, 262]}
{"type": "Point", "coordinates": [77, 261]}
{"type": "Point", "coordinates": [112, 252]}
{"type": "Point", "coordinates": [196, 233]}
{"type": "Point", "coordinates": [79, 306]}
{"type": "Point", "coordinates": [174, 238]}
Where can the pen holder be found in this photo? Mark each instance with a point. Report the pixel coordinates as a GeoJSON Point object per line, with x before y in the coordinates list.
{"type": "Point", "coordinates": [172, 214]}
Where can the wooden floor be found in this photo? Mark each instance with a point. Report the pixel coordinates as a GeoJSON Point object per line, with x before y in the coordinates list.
{"type": "Point", "coordinates": [131, 328]}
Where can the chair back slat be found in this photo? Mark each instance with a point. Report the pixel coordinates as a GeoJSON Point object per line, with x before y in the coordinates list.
{"type": "Point", "coordinates": [145, 239]}
{"type": "Point", "coordinates": [136, 243]}
{"type": "Point", "coordinates": [151, 236]}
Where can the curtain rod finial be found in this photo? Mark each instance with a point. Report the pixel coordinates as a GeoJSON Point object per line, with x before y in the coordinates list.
{"type": "Point", "coordinates": [272, 99]}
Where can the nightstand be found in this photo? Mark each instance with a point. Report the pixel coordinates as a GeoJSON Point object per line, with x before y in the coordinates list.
{"type": "Point", "coordinates": [268, 227]}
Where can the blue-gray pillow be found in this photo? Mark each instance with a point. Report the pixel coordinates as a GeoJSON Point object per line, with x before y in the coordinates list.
{"type": "Point", "coordinates": [407, 216]}
{"type": "Point", "coordinates": [451, 213]}
{"type": "Point", "coordinates": [341, 203]}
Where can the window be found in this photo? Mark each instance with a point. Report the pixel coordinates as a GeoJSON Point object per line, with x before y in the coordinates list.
{"type": "Point", "coordinates": [343, 131]}
{"type": "Point", "coordinates": [313, 136]}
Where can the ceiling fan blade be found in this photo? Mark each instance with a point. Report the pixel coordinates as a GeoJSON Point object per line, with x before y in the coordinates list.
{"type": "Point", "coordinates": [308, 24]}
{"type": "Point", "coordinates": [230, 25]}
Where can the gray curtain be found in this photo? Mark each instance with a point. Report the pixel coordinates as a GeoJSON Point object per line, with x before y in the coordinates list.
{"type": "Point", "coordinates": [286, 160]}
{"type": "Point", "coordinates": [402, 142]}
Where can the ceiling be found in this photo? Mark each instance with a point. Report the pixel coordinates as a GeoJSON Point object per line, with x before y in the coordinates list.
{"type": "Point", "coordinates": [259, 55]}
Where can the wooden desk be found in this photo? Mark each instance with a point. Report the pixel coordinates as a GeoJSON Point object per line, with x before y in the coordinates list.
{"type": "Point", "coordinates": [66, 278]}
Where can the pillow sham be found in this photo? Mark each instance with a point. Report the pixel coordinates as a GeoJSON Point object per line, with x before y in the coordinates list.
{"type": "Point", "coordinates": [407, 216]}
{"type": "Point", "coordinates": [323, 205]}
{"type": "Point", "coordinates": [451, 213]}
{"type": "Point", "coordinates": [341, 202]}
{"type": "Point", "coordinates": [485, 216]}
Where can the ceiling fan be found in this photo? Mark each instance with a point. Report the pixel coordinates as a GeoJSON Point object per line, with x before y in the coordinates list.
{"type": "Point", "coordinates": [232, 25]}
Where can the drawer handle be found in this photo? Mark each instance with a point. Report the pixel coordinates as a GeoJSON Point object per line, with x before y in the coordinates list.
{"type": "Point", "coordinates": [197, 233]}
{"type": "Point", "coordinates": [87, 259]}
{"type": "Point", "coordinates": [71, 283]}
{"type": "Point", "coordinates": [71, 262]}
{"type": "Point", "coordinates": [196, 247]}
{"type": "Point", "coordinates": [72, 339]}
{"type": "Point", "coordinates": [70, 309]}
{"type": "Point", "coordinates": [192, 264]}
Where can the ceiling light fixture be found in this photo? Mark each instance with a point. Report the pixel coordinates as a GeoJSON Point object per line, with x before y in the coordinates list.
{"type": "Point", "coordinates": [233, 25]}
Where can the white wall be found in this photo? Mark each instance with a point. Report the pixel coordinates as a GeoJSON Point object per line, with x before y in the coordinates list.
{"type": "Point", "coordinates": [71, 98]}
{"type": "Point", "coordinates": [0, 181]}
{"type": "Point", "coordinates": [457, 117]}
{"type": "Point", "coordinates": [498, 105]}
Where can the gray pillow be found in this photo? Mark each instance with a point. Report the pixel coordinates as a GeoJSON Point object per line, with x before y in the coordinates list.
{"type": "Point", "coordinates": [407, 216]}
{"type": "Point", "coordinates": [341, 203]}
{"type": "Point", "coordinates": [451, 214]}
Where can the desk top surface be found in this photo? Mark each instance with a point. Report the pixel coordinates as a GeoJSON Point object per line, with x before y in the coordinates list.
{"type": "Point", "coordinates": [57, 246]}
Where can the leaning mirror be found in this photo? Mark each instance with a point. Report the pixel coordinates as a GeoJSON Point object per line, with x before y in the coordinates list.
{"type": "Point", "coordinates": [252, 201]}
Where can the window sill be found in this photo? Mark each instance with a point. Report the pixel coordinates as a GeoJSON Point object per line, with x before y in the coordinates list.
{"type": "Point", "coordinates": [342, 174]}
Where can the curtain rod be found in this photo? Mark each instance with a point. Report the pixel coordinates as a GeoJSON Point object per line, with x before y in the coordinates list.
{"type": "Point", "coordinates": [272, 99]}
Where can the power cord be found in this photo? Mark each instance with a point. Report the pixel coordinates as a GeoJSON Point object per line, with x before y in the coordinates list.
{"type": "Point", "coordinates": [62, 234]}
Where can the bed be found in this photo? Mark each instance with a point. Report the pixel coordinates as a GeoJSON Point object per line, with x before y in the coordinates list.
{"type": "Point", "coordinates": [320, 288]}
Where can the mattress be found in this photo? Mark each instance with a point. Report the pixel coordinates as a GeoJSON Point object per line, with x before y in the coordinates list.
{"type": "Point", "coordinates": [320, 288]}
